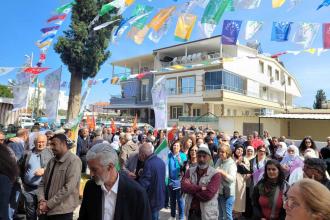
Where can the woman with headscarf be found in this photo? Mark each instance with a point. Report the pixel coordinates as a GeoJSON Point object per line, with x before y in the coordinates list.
{"type": "Point", "coordinates": [280, 151]}
{"type": "Point", "coordinates": [249, 155]}
{"type": "Point", "coordinates": [291, 160]}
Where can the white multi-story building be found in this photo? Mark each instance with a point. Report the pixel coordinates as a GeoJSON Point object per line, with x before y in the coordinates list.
{"type": "Point", "coordinates": [33, 94]}
{"type": "Point", "coordinates": [224, 87]}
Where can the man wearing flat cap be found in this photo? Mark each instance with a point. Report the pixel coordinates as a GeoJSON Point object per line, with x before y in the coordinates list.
{"type": "Point", "coordinates": [201, 184]}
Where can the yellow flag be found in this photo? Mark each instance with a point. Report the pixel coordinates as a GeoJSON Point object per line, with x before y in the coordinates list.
{"type": "Point", "coordinates": [46, 43]}
{"type": "Point", "coordinates": [277, 3]}
{"type": "Point", "coordinates": [129, 2]}
{"type": "Point", "coordinates": [184, 27]}
{"type": "Point", "coordinates": [311, 50]}
{"type": "Point", "coordinates": [178, 67]}
{"type": "Point", "coordinates": [159, 20]}
{"type": "Point", "coordinates": [114, 80]}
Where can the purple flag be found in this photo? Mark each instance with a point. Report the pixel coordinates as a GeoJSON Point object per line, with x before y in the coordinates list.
{"type": "Point", "coordinates": [230, 31]}
{"type": "Point", "coordinates": [45, 30]}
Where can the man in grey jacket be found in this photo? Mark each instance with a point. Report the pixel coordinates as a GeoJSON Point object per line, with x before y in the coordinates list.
{"type": "Point", "coordinates": [32, 168]}
{"type": "Point", "coordinates": [58, 192]}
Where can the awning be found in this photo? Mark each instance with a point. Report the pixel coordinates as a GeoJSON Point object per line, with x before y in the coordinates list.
{"type": "Point", "coordinates": [299, 116]}
{"type": "Point", "coordinates": [124, 106]}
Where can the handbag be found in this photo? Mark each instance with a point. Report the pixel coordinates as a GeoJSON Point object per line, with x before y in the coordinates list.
{"type": "Point", "coordinates": [226, 191]}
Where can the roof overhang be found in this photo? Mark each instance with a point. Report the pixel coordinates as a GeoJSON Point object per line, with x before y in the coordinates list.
{"type": "Point", "coordinates": [125, 106]}
{"type": "Point", "coordinates": [299, 116]}
{"type": "Point", "coordinates": [134, 61]}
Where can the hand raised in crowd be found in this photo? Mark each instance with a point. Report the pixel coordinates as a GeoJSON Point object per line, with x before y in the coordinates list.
{"type": "Point", "coordinates": [131, 175]}
{"type": "Point", "coordinates": [39, 172]}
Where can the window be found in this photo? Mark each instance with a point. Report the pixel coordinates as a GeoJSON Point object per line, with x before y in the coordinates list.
{"type": "Point", "coordinates": [187, 85]}
{"type": "Point", "coordinates": [144, 89]}
{"type": "Point", "coordinates": [228, 112]}
{"type": "Point", "coordinates": [277, 75]}
{"type": "Point", "coordinates": [223, 80]}
{"type": "Point", "coordinates": [269, 71]}
{"type": "Point", "coordinates": [289, 81]}
{"type": "Point", "coordinates": [176, 112]}
{"type": "Point", "coordinates": [171, 86]}
{"type": "Point", "coordinates": [196, 112]}
{"type": "Point", "coordinates": [213, 80]}
{"type": "Point", "coordinates": [261, 67]}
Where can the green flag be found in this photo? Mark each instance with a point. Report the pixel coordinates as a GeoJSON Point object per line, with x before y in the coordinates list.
{"type": "Point", "coordinates": [106, 8]}
{"type": "Point", "coordinates": [62, 8]}
{"type": "Point", "coordinates": [214, 11]}
{"type": "Point", "coordinates": [162, 152]}
{"type": "Point", "coordinates": [138, 11]}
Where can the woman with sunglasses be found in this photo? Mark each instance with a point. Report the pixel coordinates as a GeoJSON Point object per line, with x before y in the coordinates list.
{"type": "Point", "coordinates": [307, 143]}
{"type": "Point", "coordinates": [243, 166]}
{"type": "Point", "coordinates": [192, 158]}
{"type": "Point", "coordinates": [257, 165]}
{"type": "Point", "coordinates": [307, 200]}
{"type": "Point", "coordinates": [267, 197]}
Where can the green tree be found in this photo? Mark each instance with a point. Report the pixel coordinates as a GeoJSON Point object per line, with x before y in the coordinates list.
{"type": "Point", "coordinates": [82, 49]}
{"type": "Point", "coordinates": [6, 92]}
{"type": "Point", "coordinates": [319, 99]}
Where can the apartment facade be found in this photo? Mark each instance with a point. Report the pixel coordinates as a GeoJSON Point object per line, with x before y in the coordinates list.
{"type": "Point", "coordinates": [219, 86]}
{"type": "Point", "coordinates": [224, 87]}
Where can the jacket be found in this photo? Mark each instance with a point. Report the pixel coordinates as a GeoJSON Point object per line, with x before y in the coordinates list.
{"type": "Point", "coordinates": [132, 201]}
{"type": "Point", "coordinates": [18, 149]}
{"type": "Point", "coordinates": [230, 167]}
{"type": "Point", "coordinates": [153, 181]}
{"type": "Point", "coordinates": [209, 209]}
{"type": "Point", "coordinates": [5, 193]}
{"type": "Point", "coordinates": [126, 150]}
{"type": "Point", "coordinates": [175, 167]}
{"type": "Point", "coordinates": [63, 196]}
{"type": "Point", "coordinates": [83, 146]}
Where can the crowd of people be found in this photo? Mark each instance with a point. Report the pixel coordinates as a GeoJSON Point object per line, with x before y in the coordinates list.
{"type": "Point", "coordinates": [203, 175]}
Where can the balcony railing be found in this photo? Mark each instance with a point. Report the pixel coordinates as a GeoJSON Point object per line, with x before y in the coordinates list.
{"type": "Point", "coordinates": [121, 101]}
{"type": "Point", "coordinates": [192, 60]}
{"type": "Point", "coordinates": [181, 91]}
{"type": "Point", "coordinates": [198, 119]}
{"type": "Point", "coordinates": [225, 87]}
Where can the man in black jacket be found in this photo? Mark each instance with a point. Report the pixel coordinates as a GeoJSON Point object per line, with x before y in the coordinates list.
{"type": "Point", "coordinates": [111, 195]}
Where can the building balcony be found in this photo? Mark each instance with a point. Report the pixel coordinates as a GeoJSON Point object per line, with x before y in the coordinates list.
{"type": "Point", "coordinates": [181, 91]}
{"type": "Point", "coordinates": [221, 93]}
{"type": "Point", "coordinates": [123, 101]}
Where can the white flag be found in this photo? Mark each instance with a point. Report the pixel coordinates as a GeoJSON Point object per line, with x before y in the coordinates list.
{"type": "Point", "coordinates": [21, 90]}
{"type": "Point", "coordinates": [246, 4]}
{"type": "Point", "coordinates": [5, 70]}
{"type": "Point", "coordinates": [159, 103]}
{"type": "Point", "coordinates": [306, 33]}
{"type": "Point", "coordinates": [252, 27]}
{"type": "Point", "coordinates": [52, 85]}
{"type": "Point", "coordinates": [104, 25]}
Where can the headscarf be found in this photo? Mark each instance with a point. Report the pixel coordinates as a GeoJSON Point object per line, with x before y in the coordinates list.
{"type": "Point", "coordinates": [250, 148]}
{"type": "Point", "coordinates": [281, 149]}
{"type": "Point", "coordinates": [310, 153]}
{"type": "Point", "coordinates": [288, 158]}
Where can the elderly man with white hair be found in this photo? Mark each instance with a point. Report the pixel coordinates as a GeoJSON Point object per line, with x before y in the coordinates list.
{"type": "Point", "coordinates": [111, 195]}
{"type": "Point", "coordinates": [128, 147]}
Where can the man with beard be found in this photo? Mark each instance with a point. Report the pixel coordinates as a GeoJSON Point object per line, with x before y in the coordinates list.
{"type": "Point", "coordinates": [58, 191]}
{"type": "Point", "coordinates": [111, 195]}
{"type": "Point", "coordinates": [201, 184]}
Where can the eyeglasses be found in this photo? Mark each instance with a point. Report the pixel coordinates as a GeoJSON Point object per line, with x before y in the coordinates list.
{"type": "Point", "coordinates": [308, 142]}
{"type": "Point", "coordinates": [262, 151]}
{"type": "Point", "coordinates": [290, 203]}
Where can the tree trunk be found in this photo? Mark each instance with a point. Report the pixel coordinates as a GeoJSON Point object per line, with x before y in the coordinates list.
{"type": "Point", "coordinates": [75, 96]}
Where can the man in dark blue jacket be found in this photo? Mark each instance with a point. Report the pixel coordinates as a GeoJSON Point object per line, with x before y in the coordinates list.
{"type": "Point", "coordinates": [153, 179]}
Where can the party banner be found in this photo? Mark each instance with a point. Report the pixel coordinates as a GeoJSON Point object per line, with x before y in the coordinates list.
{"type": "Point", "coordinates": [21, 89]}
{"type": "Point", "coordinates": [230, 31]}
{"type": "Point", "coordinates": [138, 35]}
{"type": "Point", "coordinates": [277, 3]}
{"type": "Point", "coordinates": [140, 10]}
{"type": "Point", "coordinates": [246, 4]}
{"type": "Point", "coordinates": [111, 6]}
{"type": "Point", "coordinates": [52, 85]}
{"type": "Point", "coordinates": [252, 27]}
{"type": "Point", "coordinates": [306, 33]}
{"type": "Point", "coordinates": [159, 102]}
{"type": "Point", "coordinates": [214, 11]}
{"type": "Point", "coordinates": [280, 31]}
{"type": "Point", "coordinates": [326, 35]}
{"type": "Point", "coordinates": [156, 36]}
{"type": "Point", "coordinates": [63, 8]}
{"type": "Point", "coordinates": [5, 70]}
{"type": "Point", "coordinates": [159, 20]}
{"type": "Point", "coordinates": [57, 17]}
{"type": "Point", "coordinates": [324, 4]}
{"type": "Point", "coordinates": [47, 29]}
{"type": "Point", "coordinates": [184, 27]}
